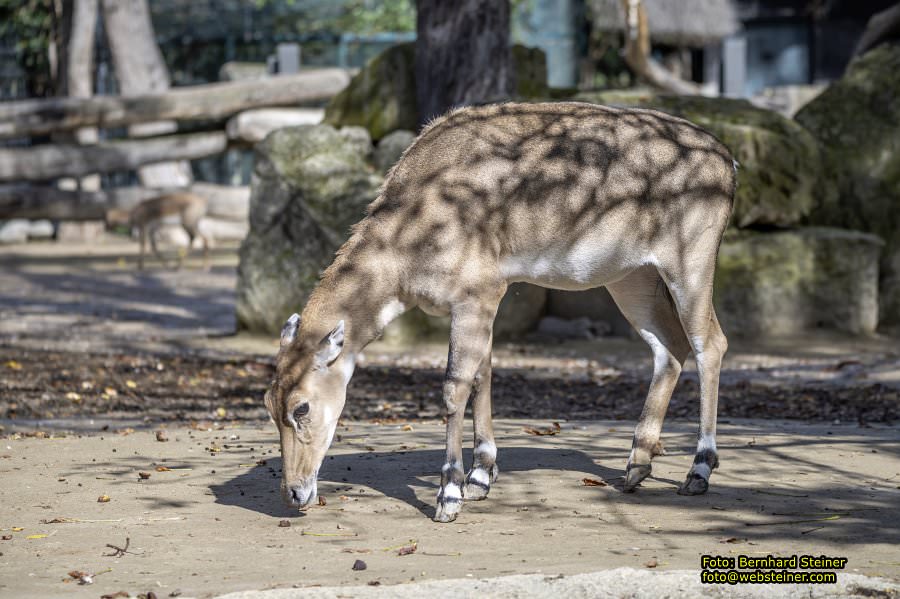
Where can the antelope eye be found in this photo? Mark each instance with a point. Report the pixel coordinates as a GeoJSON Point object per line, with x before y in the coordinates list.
{"type": "Point", "coordinates": [301, 411]}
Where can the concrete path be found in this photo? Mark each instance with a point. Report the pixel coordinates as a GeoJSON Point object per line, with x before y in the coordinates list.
{"type": "Point", "coordinates": [210, 523]}
{"type": "Point", "coordinates": [608, 584]}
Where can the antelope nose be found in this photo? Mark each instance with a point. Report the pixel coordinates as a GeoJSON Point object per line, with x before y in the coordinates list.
{"type": "Point", "coordinates": [299, 495]}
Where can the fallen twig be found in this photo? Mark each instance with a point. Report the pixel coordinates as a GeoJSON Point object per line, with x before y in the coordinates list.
{"type": "Point", "coordinates": [832, 517]}
{"type": "Point", "coordinates": [119, 551]}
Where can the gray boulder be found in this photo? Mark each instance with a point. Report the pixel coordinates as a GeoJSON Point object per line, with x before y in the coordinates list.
{"type": "Point", "coordinates": [780, 177]}
{"type": "Point", "coordinates": [577, 328]}
{"type": "Point", "coordinates": [774, 284]}
{"type": "Point", "coordinates": [857, 121]}
{"type": "Point", "coordinates": [595, 304]}
{"type": "Point", "coordinates": [390, 148]}
{"type": "Point", "coordinates": [381, 97]}
{"type": "Point", "coordinates": [310, 184]}
{"type": "Point", "coordinates": [360, 138]}
{"type": "Point", "coordinates": [520, 310]}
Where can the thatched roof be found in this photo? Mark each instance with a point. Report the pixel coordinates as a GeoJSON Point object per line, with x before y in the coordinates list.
{"type": "Point", "coordinates": [691, 23]}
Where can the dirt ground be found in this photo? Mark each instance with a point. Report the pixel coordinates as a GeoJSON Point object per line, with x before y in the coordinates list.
{"type": "Point", "coordinates": [213, 521]}
{"type": "Point", "coordinates": [96, 357]}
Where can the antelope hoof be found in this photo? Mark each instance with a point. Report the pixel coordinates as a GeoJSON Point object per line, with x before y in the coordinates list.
{"type": "Point", "coordinates": [693, 485]}
{"type": "Point", "coordinates": [449, 502]}
{"type": "Point", "coordinates": [478, 482]}
{"type": "Point", "coordinates": [634, 474]}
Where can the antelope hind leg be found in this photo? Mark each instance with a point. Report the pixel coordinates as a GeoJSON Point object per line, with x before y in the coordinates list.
{"type": "Point", "coordinates": [644, 299]}
{"type": "Point", "coordinates": [708, 342]}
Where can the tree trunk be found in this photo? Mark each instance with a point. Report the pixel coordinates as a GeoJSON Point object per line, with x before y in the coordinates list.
{"type": "Point", "coordinates": [140, 69]}
{"type": "Point", "coordinates": [76, 67]}
{"type": "Point", "coordinates": [637, 53]}
{"type": "Point", "coordinates": [206, 102]}
{"type": "Point", "coordinates": [462, 54]}
{"type": "Point", "coordinates": [51, 161]}
{"type": "Point", "coordinates": [882, 27]}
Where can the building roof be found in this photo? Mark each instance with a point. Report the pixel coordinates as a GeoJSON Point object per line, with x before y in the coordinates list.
{"type": "Point", "coordinates": [690, 23]}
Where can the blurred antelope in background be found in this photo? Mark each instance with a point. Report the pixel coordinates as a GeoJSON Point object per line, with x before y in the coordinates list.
{"type": "Point", "coordinates": [147, 217]}
{"type": "Point", "coordinates": [562, 195]}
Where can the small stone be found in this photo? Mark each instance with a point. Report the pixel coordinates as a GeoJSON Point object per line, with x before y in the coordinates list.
{"type": "Point", "coordinates": [359, 565]}
{"type": "Point", "coordinates": [285, 524]}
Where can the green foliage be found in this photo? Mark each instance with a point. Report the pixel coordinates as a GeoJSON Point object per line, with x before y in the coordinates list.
{"type": "Point", "coordinates": [347, 16]}
{"type": "Point", "coordinates": [31, 26]}
{"type": "Point", "coordinates": [366, 16]}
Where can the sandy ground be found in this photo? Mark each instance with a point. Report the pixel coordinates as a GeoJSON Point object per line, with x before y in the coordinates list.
{"type": "Point", "coordinates": [210, 524]}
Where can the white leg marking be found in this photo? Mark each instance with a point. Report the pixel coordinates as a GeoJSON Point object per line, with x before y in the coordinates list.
{"type": "Point", "coordinates": [451, 491]}
{"type": "Point", "coordinates": [706, 442]}
{"type": "Point", "coordinates": [487, 450]}
{"type": "Point", "coordinates": [480, 475]}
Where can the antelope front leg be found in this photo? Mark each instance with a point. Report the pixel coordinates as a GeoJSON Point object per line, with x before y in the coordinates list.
{"type": "Point", "coordinates": [484, 467]}
{"type": "Point", "coordinates": [470, 335]}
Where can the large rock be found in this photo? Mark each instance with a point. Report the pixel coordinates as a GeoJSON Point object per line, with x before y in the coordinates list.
{"type": "Point", "coordinates": [309, 185]}
{"type": "Point", "coordinates": [390, 148]}
{"type": "Point", "coordinates": [382, 96]}
{"type": "Point", "coordinates": [520, 310]}
{"type": "Point", "coordinates": [595, 304]}
{"type": "Point", "coordinates": [780, 175]}
{"type": "Point", "coordinates": [780, 283]}
{"type": "Point", "coordinates": [857, 120]}
{"type": "Point", "coordinates": [530, 66]}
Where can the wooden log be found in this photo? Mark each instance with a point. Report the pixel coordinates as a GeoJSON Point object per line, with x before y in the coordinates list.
{"type": "Point", "coordinates": [40, 163]}
{"type": "Point", "coordinates": [253, 125]}
{"type": "Point", "coordinates": [230, 202]}
{"type": "Point", "coordinates": [210, 101]}
{"type": "Point", "coordinates": [37, 202]}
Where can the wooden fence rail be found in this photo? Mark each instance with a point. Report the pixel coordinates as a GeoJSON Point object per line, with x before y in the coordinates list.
{"type": "Point", "coordinates": [207, 102]}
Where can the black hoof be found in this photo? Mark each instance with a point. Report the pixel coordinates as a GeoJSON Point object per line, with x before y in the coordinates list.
{"type": "Point", "coordinates": [694, 485]}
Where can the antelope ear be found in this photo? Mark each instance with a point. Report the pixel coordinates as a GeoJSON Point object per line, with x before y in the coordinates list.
{"type": "Point", "coordinates": [331, 346]}
{"type": "Point", "coordinates": [289, 330]}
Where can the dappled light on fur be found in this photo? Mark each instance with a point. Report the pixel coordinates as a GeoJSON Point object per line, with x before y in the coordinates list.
{"type": "Point", "coordinates": [566, 195]}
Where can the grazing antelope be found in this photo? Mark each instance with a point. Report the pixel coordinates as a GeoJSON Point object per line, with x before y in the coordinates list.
{"type": "Point", "coordinates": [562, 195]}
{"type": "Point", "coordinates": [189, 208]}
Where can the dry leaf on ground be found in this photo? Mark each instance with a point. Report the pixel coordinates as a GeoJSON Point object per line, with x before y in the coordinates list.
{"type": "Point", "coordinates": [592, 482]}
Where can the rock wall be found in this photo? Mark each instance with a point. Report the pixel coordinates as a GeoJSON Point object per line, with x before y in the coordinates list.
{"type": "Point", "coordinates": [780, 174]}
{"type": "Point", "coordinates": [857, 121]}
{"type": "Point", "coordinates": [310, 184]}
{"type": "Point", "coordinates": [776, 275]}
{"type": "Point", "coordinates": [780, 283]}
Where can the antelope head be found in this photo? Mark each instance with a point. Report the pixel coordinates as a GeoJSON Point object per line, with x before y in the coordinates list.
{"type": "Point", "coordinates": [305, 402]}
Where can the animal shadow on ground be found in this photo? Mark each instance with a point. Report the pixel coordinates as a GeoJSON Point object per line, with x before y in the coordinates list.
{"type": "Point", "coordinates": [394, 474]}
